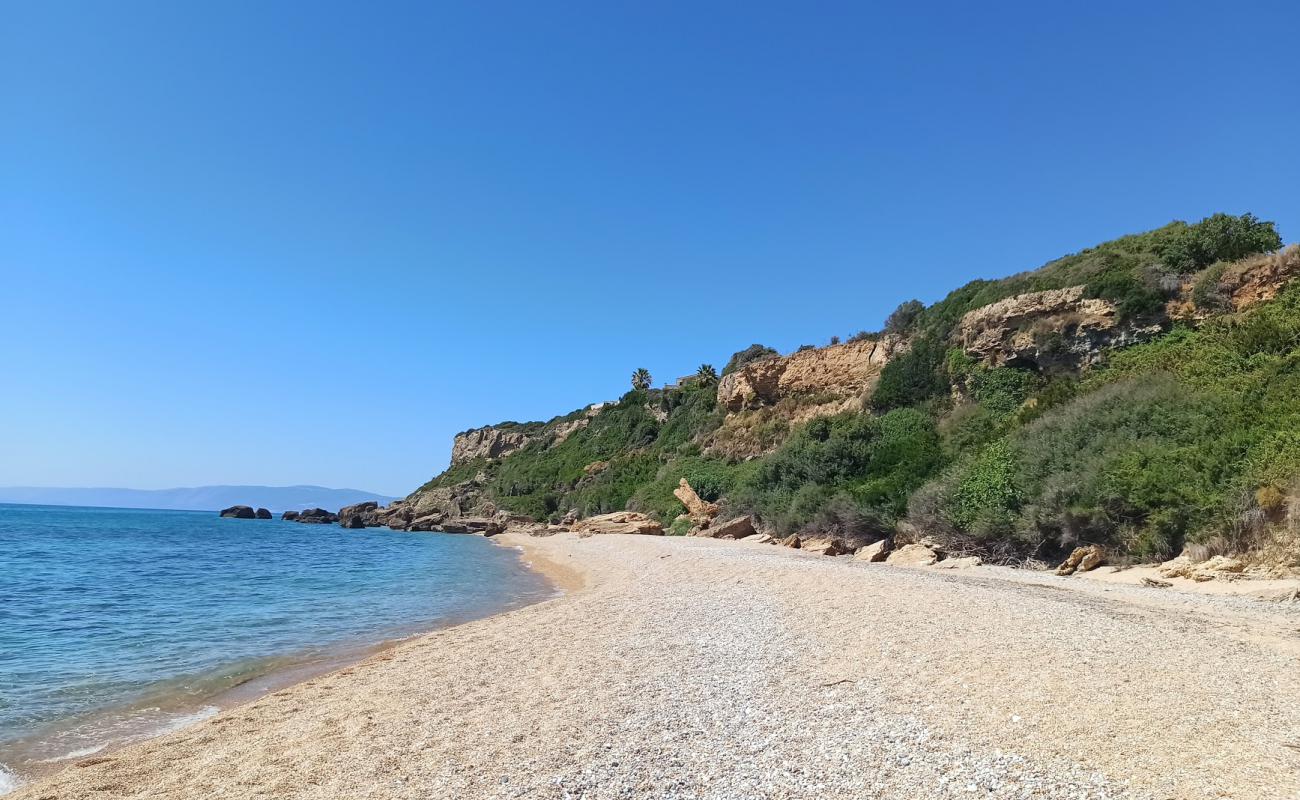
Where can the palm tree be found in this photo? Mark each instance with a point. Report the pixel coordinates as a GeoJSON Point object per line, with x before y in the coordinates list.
{"type": "Point", "coordinates": [641, 379]}
{"type": "Point", "coordinates": [706, 374]}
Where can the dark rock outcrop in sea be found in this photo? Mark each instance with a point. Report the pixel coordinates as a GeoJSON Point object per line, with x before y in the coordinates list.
{"type": "Point", "coordinates": [262, 513]}
{"type": "Point", "coordinates": [317, 516]}
{"type": "Point", "coordinates": [361, 515]}
{"type": "Point", "coordinates": [289, 516]}
{"type": "Point", "coordinates": [239, 512]}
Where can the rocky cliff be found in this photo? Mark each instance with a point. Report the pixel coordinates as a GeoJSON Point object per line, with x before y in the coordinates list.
{"type": "Point", "coordinates": [489, 442]}
{"type": "Point", "coordinates": [766, 398]}
{"type": "Point", "coordinates": [841, 370]}
{"type": "Point", "coordinates": [1050, 329]}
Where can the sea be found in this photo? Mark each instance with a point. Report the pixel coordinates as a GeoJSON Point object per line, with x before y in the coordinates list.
{"type": "Point", "coordinates": [121, 624]}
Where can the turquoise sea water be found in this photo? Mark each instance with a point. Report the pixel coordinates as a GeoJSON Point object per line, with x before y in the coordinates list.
{"type": "Point", "coordinates": [116, 624]}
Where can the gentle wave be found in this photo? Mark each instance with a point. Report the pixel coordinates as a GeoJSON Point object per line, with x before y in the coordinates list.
{"type": "Point", "coordinates": [124, 624]}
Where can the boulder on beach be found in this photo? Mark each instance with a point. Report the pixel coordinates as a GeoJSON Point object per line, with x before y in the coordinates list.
{"type": "Point", "coordinates": [239, 512]}
{"type": "Point", "coordinates": [627, 522]}
{"type": "Point", "coordinates": [737, 528]}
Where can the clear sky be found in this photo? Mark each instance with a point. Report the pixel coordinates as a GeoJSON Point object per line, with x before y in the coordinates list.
{"type": "Point", "coordinates": [270, 242]}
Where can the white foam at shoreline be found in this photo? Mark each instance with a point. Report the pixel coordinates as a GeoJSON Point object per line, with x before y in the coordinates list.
{"type": "Point", "coordinates": [8, 780]}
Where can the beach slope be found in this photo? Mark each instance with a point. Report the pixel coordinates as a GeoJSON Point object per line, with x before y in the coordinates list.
{"type": "Point", "coordinates": [696, 668]}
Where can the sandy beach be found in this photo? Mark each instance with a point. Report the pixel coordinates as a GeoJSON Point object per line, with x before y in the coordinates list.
{"type": "Point", "coordinates": [694, 668]}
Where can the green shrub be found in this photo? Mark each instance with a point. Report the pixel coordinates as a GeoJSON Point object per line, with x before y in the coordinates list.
{"type": "Point", "coordinates": [912, 378]}
{"type": "Point", "coordinates": [743, 357]}
{"type": "Point", "coordinates": [1221, 237]}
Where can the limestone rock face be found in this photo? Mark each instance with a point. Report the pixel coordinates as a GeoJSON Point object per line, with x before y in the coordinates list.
{"type": "Point", "coordinates": [239, 512]}
{"type": "Point", "coordinates": [1243, 284]}
{"type": "Point", "coordinates": [1259, 279]}
{"type": "Point", "coordinates": [1057, 327]}
{"type": "Point", "coordinates": [486, 442]}
{"type": "Point", "coordinates": [912, 555]}
{"type": "Point", "coordinates": [844, 370]}
{"type": "Point", "coordinates": [619, 522]}
{"type": "Point", "coordinates": [699, 510]}
{"type": "Point", "coordinates": [1083, 559]}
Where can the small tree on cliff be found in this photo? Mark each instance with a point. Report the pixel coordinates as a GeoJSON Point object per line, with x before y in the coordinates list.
{"type": "Point", "coordinates": [641, 379]}
{"type": "Point", "coordinates": [903, 320]}
{"type": "Point", "coordinates": [706, 374]}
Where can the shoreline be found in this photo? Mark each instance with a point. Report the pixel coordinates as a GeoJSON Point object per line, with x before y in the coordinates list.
{"type": "Point", "coordinates": [35, 763]}
{"type": "Point", "coordinates": [692, 667]}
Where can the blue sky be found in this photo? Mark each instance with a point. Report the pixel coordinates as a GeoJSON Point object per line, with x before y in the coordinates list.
{"type": "Point", "coordinates": [308, 242]}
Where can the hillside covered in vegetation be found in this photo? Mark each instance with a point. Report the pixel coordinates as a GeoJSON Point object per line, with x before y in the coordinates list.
{"type": "Point", "coordinates": [1143, 394]}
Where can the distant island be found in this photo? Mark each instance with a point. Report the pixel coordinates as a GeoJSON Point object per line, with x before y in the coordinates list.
{"type": "Point", "coordinates": [194, 498]}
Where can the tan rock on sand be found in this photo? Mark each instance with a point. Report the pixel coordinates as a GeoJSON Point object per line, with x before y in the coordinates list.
{"type": "Point", "coordinates": [701, 511]}
{"type": "Point", "coordinates": [1083, 559]}
{"type": "Point", "coordinates": [738, 528]}
{"type": "Point", "coordinates": [619, 522]}
{"type": "Point", "coordinates": [1220, 567]}
{"type": "Point", "coordinates": [912, 555]}
{"type": "Point", "coordinates": [874, 552]}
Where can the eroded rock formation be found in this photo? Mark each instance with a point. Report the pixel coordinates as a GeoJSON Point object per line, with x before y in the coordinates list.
{"type": "Point", "coordinates": [487, 442]}
{"type": "Point", "coordinates": [842, 370]}
{"type": "Point", "coordinates": [1053, 328]}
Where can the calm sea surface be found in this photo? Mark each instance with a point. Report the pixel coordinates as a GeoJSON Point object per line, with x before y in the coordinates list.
{"type": "Point", "coordinates": [117, 624]}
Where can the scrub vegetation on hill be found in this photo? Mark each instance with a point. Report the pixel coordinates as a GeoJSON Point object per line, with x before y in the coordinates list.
{"type": "Point", "coordinates": [1191, 435]}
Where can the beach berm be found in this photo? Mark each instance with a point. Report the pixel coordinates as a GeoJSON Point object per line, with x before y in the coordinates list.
{"type": "Point", "coordinates": [695, 668]}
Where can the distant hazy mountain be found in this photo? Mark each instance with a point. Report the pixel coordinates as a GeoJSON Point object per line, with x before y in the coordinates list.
{"type": "Point", "coordinates": [197, 498]}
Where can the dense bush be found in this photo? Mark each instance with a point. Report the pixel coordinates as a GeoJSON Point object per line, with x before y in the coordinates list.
{"type": "Point", "coordinates": [868, 463]}
{"type": "Point", "coordinates": [904, 318]}
{"type": "Point", "coordinates": [743, 357]}
{"type": "Point", "coordinates": [1221, 237]}
{"type": "Point", "coordinates": [913, 377]}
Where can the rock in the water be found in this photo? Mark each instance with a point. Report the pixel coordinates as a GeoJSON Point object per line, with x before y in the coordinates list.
{"type": "Point", "coordinates": [619, 522]}
{"type": "Point", "coordinates": [737, 528]}
{"type": "Point", "coordinates": [912, 555]}
{"type": "Point", "coordinates": [483, 525]}
{"type": "Point", "coordinates": [317, 516]}
{"type": "Point", "coordinates": [262, 513]}
{"type": "Point", "coordinates": [962, 562]}
{"type": "Point", "coordinates": [239, 512]}
{"type": "Point", "coordinates": [361, 515]}
{"type": "Point", "coordinates": [1082, 559]}
{"type": "Point", "coordinates": [874, 552]}
{"type": "Point", "coordinates": [289, 516]}
{"type": "Point", "coordinates": [426, 523]}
